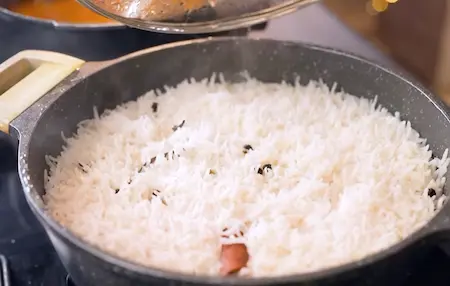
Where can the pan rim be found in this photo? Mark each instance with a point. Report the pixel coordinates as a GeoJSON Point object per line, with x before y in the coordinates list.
{"type": "Point", "coordinates": [55, 228]}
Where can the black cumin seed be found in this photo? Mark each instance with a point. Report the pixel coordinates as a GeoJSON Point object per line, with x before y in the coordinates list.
{"type": "Point", "coordinates": [117, 191]}
{"type": "Point", "coordinates": [247, 148]}
{"type": "Point", "coordinates": [155, 107]}
{"type": "Point", "coordinates": [264, 169]}
{"type": "Point", "coordinates": [82, 168]}
{"type": "Point", "coordinates": [240, 234]}
{"type": "Point", "coordinates": [141, 169]}
{"type": "Point", "coordinates": [176, 127]}
{"type": "Point", "coordinates": [267, 166]}
{"type": "Point", "coordinates": [166, 155]}
{"type": "Point", "coordinates": [431, 192]}
{"type": "Point", "coordinates": [156, 193]}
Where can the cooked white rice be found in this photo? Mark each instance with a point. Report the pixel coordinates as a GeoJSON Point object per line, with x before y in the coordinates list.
{"type": "Point", "coordinates": [347, 179]}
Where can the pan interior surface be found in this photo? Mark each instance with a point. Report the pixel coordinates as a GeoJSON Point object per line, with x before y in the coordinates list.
{"type": "Point", "coordinates": [265, 60]}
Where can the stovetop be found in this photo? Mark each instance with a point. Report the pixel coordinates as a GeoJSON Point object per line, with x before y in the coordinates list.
{"type": "Point", "coordinates": [30, 258]}
{"type": "Point", "coordinates": [32, 261]}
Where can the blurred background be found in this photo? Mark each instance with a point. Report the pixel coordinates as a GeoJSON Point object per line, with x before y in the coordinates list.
{"type": "Point", "coordinates": [413, 33]}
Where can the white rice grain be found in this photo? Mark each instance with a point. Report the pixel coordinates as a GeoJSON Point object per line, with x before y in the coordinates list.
{"type": "Point", "coordinates": [347, 179]}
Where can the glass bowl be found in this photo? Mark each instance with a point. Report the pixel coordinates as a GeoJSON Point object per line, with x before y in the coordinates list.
{"type": "Point", "coordinates": [192, 16]}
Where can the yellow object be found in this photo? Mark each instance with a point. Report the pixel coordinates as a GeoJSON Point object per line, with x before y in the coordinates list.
{"type": "Point", "coordinates": [26, 77]}
{"type": "Point", "coordinates": [65, 11]}
{"type": "Point", "coordinates": [382, 5]}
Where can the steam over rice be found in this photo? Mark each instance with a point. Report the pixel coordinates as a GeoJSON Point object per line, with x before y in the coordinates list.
{"type": "Point", "coordinates": [329, 178]}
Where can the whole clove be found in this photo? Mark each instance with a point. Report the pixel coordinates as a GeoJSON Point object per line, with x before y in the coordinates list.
{"type": "Point", "coordinates": [431, 192]}
{"type": "Point", "coordinates": [155, 107]}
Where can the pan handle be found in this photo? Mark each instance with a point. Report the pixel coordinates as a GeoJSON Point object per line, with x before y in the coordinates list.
{"type": "Point", "coordinates": [27, 76]}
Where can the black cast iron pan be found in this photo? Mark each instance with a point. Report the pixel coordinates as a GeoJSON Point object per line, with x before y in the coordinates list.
{"type": "Point", "coordinates": [55, 92]}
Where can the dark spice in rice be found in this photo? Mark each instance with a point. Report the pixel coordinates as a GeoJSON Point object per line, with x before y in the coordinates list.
{"type": "Point", "coordinates": [82, 168]}
{"type": "Point", "coordinates": [176, 127]}
{"type": "Point", "coordinates": [247, 148]}
{"type": "Point", "coordinates": [431, 192]}
{"type": "Point", "coordinates": [155, 107]}
{"type": "Point", "coordinates": [157, 194]}
{"type": "Point", "coordinates": [172, 155]}
{"type": "Point", "coordinates": [264, 169]}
